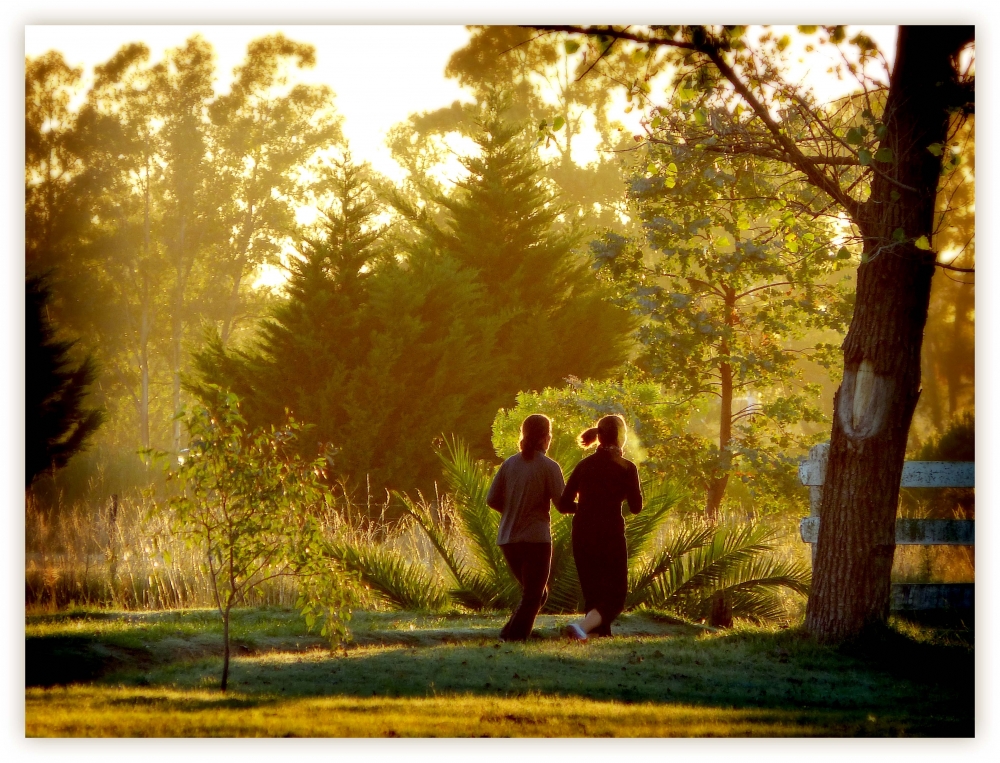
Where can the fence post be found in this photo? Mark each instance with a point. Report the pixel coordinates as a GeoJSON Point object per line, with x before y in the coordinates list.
{"type": "Point", "coordinates": [818, 454]}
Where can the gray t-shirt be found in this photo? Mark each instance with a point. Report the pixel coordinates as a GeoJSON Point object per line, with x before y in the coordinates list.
{"type": "Point", "coordinates": [521, 492]}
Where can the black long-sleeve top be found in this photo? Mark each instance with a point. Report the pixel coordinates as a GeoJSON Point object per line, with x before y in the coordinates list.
{"type": "Point", "coordinates": [602, 481]}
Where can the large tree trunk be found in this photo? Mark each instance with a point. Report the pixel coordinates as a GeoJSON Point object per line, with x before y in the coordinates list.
{"type": "Point", "coordinates": [875, 402]}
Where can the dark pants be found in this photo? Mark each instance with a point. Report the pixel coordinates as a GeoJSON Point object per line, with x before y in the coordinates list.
{"type": "Point", "coordinates": [602, 565]}
{"type": "Point", "coordinates": [530, 564]}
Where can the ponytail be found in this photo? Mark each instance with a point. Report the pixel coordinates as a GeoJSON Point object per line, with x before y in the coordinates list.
{"type": "Point", "coordinates": [610, 431]}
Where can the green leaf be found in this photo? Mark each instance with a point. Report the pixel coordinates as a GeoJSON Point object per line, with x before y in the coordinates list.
{"type": "Point", "coordinates": [843, 254]}
{"type": "Point", "coordinates": [936, 148]}
{"type": "Point", "coordinates": [557, 123]}
{"type": "Point", "coordinates": [700, 117]}
{"type": "Point", "coordinates": [651, 168]}
{"type": "Point", "coordinates": [881, 131]}
{"type": "Point", "coordinates": [884, 155]}
{"type": "Point", "coordinates": [865, 157]}
{"type": "Point", "coordinates": [899, 235]}
{"type": "Point", "coordinates": [854, 136]}
{"type": "Point", "coordinates": [571, 46]}
{"type": "Point", "coordinates": [894, 195]}
{"type": "Point", "coordinates": [922, 243]}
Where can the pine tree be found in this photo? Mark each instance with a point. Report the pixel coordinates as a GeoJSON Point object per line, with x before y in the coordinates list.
{"type": "Point", "coordinates": [386, 354]}
{"type": "Point", "coordinates": [505, 224]}
{"type": "Point", "coordinates": [57, 424]}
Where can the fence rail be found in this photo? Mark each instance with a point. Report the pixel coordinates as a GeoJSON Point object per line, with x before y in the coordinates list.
{"type": "Point", "coordinates": [909, 532]}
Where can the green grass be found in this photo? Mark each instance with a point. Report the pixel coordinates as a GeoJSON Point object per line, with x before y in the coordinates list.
{"type": "Point", "coordinates": [156, 674]}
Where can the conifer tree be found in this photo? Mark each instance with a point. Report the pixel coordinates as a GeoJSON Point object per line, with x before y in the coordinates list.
{"type": "Point", "coordinates": [503, 222]}
{"type": "Point", "coordinates": [384, 352]}
{"type": "Point", "coordinates": [57, 424]}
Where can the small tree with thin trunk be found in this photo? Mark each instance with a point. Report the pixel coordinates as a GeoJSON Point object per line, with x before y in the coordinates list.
{"type": "Point", "coordinates": [257, 510]}
{"type": "Point", "coordinates": [730, 276]}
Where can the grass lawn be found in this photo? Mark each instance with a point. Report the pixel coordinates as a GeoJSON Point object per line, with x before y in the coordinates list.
{"type": "Point", "coordinates": [91, 673]}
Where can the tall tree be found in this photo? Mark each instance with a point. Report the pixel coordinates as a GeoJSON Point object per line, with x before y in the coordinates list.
{"type": "Point", "coordinates": [506, 225]}
{"type": "Point", "coordinates": [58, 424]}
{"type": "Point", "coordinates": [119, 268]}
{"type": "Point", "coordinates": [385, 350]}
{"type": "Point", "coordinates": [948, 355]}
{"type": "Point", "coordinates": [186, 85]}
{"type": "Point", "coordinates": [267, 130]}
{"type": "Point", "coordinates": [543, 84]}
{"type": "Point", "coordinates": [49, 161]}
{"type": "Point", "coordinates": [733, 272]}
{"type": "Point", "coordinates": [743, 104]}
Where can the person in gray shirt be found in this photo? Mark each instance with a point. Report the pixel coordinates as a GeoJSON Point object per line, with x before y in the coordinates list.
{"type": "Point", "coordinates": [524, 486]}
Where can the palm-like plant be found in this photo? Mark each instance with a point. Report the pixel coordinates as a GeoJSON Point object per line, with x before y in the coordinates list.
{"type": "Point", "coordinates": [395, 580]}
{"type": "Point", "coordinates": [682, 570]}
{"type": "Point", "coordinates": [696, 565]}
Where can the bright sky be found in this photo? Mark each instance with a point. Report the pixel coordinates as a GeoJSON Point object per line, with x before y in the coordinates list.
{"type": "Point", "coordinates": [399, 77]}
{"type": "Point", "coordinates": [380, 74]}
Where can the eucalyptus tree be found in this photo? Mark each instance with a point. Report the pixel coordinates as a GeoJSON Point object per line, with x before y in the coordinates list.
{"type": "Point", "coordinates": [50, 162]}
{"type": "Point", "coordinates": [266, 132]}
{"type": "Point", "coordinates": [120, 268]}
{"type": "Point", "coordinates": [877, 158]}
{"type": "Point", "coordinates": [190, 225]}
{"type": "Point", "coordinates": [543, 83]}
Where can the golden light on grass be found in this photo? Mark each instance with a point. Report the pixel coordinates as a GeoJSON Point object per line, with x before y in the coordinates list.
{"type": "Point", "coordinates": [112, 712]}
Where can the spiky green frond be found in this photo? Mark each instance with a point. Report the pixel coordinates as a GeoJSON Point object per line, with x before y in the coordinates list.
{"type": "Point", "coordinates": [422, 515]}
{"type": "Point", "coordinates": [469, 483]}
{"type": "Point", "coordinates": [659, 497]}
{"type": "Point", "coordinates": [396, 580]}
{"type": "Point", "coordinates": [730, 561]}
{"type": "Point", "coordinates": [645, 573]}
{"type": "Point", "coordinates": [473, 588]}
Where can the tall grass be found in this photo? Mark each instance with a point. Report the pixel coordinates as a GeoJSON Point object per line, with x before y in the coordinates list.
{"type": "Point", "coordinates": [122, 554]}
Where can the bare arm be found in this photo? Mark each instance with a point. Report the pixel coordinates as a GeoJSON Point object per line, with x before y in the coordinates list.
{"type": "Point", "coordinates": [494, 498]}
{"type": "Point", "coordinates": [567, 502]}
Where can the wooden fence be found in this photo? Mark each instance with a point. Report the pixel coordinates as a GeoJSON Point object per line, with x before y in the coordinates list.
{"type": "Point", "coordinates": [920, 532]}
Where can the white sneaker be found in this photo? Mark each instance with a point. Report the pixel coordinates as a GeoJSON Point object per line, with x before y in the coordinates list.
{"type": "Point", "coordinates": [575, 632]}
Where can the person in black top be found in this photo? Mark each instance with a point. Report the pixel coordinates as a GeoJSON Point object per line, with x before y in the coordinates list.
{"type": "Point", "coordinates": [602, 481]}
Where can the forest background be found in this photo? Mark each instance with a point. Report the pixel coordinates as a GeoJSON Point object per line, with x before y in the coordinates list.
{"type": "Point", "coordinates": [428, 149]}
{"type": "Point", "coordinates": [924, 420]}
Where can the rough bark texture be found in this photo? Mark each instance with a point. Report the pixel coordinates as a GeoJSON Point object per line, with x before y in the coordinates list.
{"type": "Point", "coordinates": [874, 405]}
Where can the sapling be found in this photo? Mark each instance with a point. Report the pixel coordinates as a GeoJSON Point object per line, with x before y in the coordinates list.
{"type": "Point", "coordinates": [257, 510]}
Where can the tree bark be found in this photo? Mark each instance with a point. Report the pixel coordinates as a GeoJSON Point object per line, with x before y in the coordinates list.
{"type": "Point", "coordinates": [717, 486]}
{"type": "Point", "coordinates": [874, 405]}
{"type": "Point", "coordinates": [225, 650]}
{"type": "Point", "coordinates": [176, 336]}
{"type": "Point", "coordinates": [145, 319]}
